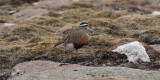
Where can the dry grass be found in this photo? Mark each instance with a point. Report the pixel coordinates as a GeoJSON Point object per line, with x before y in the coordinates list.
{"type": "Point", "coordinates": [136, 21]}
{"type": "Point", "coordinates": [4, 17]}
{"type": "Point", "coordinates": [110, 14]}
{"type": "Point", "coordinates": [106, 26]}
{"type": "Point", "coordinates": [26, 30]}
{"type": "Point", "coordinates": [35, 38]}
{"type": "Point", "coordinates": [34, 48]}
{"type": "Point", "coordinates": [142, 27]}
{"type": "Point", "coordinates": [137, 6]}
{"type": "Point", "coordinates": [103, 40]}
{"type": "Point", "coordinates": [108, 41]}
{"type": "Point", "coordinates": [76, 15]}
{"type": "Point", "coordinates": [53, 14]}
{"type": "Point", "coordinates": [54, 22]}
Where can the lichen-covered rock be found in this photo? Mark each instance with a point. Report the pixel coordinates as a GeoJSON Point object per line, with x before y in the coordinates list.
{"type": "Point", "coordinates": [134, 51]}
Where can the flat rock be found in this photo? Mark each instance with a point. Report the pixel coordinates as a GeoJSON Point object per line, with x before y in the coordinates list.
{"type": "Point", "coordinates": [39, 66]}
{"type": "Point", "coordinates": [47, 70]}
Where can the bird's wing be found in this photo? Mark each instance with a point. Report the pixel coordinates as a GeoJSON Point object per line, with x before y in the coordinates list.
{"type": "Point", "coordinates": [73, 37]}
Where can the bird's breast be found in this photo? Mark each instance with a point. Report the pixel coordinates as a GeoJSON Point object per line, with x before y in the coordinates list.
{"type": "Point", "coordinates": [80, 43]}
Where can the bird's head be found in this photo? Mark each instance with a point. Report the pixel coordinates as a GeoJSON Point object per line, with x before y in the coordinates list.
{"type": "Point", "coordinates": [85, 25]}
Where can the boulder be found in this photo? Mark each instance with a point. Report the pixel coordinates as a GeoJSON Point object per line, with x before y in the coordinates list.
{"type": "Point", "coordinates": [134, 51]}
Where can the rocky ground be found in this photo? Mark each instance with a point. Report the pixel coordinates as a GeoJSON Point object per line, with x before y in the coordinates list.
{"type": "Point", "coordinates": [36, 70]}
{"type": "Point", "coordinates": [29, 29]}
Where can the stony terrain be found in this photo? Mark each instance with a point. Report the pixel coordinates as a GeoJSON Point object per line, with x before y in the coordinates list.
{"type": "Point", "coordinates": [36, 70]}
{"type": "Point", "coordinates": [29, 29]}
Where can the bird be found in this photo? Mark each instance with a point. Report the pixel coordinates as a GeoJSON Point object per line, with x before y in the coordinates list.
{"type": "Point", "coordinates": [75, 38]}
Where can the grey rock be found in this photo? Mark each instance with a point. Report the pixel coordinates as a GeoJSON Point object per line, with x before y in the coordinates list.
{"type": "Point", "coordinates": [47, 70]}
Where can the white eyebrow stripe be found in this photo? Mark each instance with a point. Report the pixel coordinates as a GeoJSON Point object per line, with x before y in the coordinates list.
{"type": "Point", "coordinates": [83, 24]}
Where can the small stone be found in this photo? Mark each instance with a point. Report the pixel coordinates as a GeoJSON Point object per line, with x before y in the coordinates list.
{"type": "Point", "coordinates": [9, 24]}
{"type": "Point", "coordinates": [35, 4]}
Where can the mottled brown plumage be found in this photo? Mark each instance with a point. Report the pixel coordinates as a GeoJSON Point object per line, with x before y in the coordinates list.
{"type": "Point", "coordinates": [76, 38]}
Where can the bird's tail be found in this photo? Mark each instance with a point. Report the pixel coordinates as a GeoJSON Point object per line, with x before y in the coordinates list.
{"type": "Point", "coordinates": [58, 43]}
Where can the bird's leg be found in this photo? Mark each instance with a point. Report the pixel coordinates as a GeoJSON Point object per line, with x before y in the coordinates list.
{"type": "Point", "coordinates": [77, 54]}
{"type": "Point", "coordinates": [71, 53]}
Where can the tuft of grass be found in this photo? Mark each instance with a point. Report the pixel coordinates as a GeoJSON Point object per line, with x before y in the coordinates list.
{"type": "Point", "coordinates": [102, 22]}
{"type": "Point", "coordinates": [24, 32]}
{"type": "Point", "coordinates": [53, 14]}
{"type": "Point", "coordinates": [76, 15]}
{"type": "Point", "coordinates": [136, 6]}
{"type": "Point", "coordinates": [4, 42]}
{"type": "Point", "coordinates": [54, 22]}
{"type": "Point", "coordinates": [142, 27]}
{"type": "Point", "coordinates": [27, 30]}
{"type": "Point", "coordinates": [108, 41]}
{"type": "Point", "coordinates": [103, 40]}
{"type": "Point", "coordinates": [150, 37]}
{"type": "Point", "coordinates": [4, 17]}
{"type": "Point", "coordinates": [35, 40]}
{"type": "Point", "coordinates": [106, 26]}
{"type": "Point", "coordinates": [136, 21]}
{"type": "Point", "coordinates": [110, 14]}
